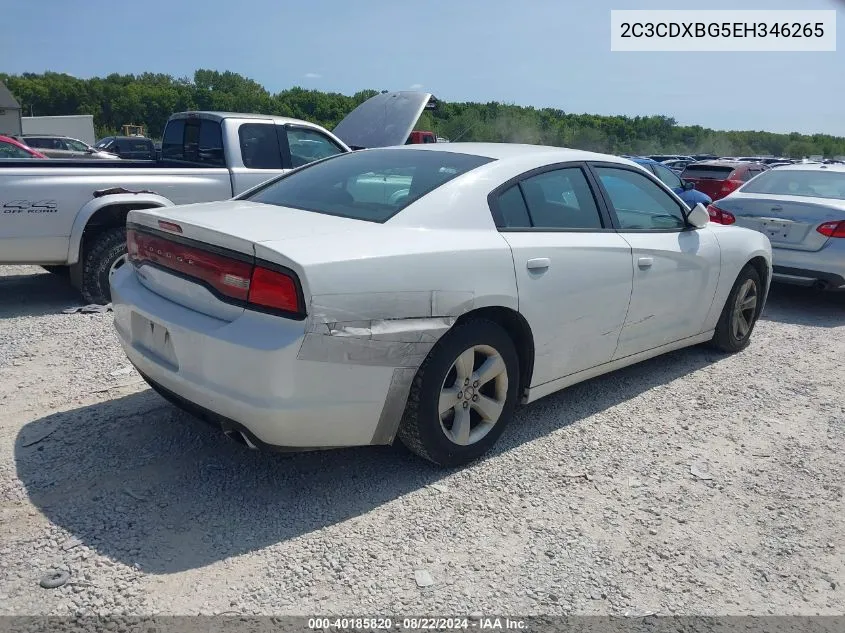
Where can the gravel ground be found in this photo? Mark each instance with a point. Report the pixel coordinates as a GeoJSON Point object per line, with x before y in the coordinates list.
{"type": "Point", "coordinates": [694, 483]}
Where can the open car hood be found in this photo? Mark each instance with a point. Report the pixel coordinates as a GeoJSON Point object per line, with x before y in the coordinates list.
{"type": "Point", "coordinates": [384, 120]}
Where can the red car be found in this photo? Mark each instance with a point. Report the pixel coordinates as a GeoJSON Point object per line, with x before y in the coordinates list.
{"type": "Point", "coordinates": [10, 148]}
{"type": "Point", "coordinates": [718, 178]}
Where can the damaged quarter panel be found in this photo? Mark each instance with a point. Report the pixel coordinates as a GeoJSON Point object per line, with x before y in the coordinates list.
{"type": "Point", "coordinates": [410, 286]}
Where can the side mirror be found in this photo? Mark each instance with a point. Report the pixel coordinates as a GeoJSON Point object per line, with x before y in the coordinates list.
{"type": "Point", "coordinates": [688, 185]}
{"type": "Point", "coordinates": [698, 216]}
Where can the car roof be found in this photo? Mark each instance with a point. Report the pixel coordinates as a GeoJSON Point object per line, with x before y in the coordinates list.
{"type": "Point", "coordinates": [813, 167]}
{"type": "Point", "coordinates": [215, 115]}
{"type": "Point", "coordinates": [504, 151]}
{"type": "Point", "coordinates": [721, 163]}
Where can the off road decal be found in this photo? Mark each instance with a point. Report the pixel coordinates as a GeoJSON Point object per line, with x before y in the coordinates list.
{"type": "Point", "coordinates": [27, 206]}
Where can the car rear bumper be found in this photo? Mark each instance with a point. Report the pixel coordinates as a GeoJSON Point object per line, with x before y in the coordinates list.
{"type": "Point", "coordinates": [823, 268]}
{"type": "Point", "coordinates": [245, 375]}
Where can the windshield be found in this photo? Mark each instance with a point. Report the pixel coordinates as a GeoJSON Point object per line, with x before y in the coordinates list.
{"type": "Point", "coordinates": [816, 183]}
{"type": "Point", "coordinates": [368, 185]}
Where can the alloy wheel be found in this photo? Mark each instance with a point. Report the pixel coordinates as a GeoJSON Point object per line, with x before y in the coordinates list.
{"type": "Point", "coordinates": [745, 309]}
{"type": "Point", "coordinates": [473, 395]}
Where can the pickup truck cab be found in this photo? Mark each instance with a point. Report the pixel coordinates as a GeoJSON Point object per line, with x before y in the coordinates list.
{"type": "Point", "coordinates": [71, 216]}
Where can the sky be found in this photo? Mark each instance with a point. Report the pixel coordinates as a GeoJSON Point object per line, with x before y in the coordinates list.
{"type": "Point", "coordinates": [544, 53]}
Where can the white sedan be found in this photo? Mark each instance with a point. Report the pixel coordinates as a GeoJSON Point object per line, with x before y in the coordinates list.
{"type": "Point", "coordinates": [421, 292]}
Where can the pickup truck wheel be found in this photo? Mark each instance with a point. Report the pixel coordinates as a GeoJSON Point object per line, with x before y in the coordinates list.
{"type": "Point", "coordinates": [105, 252]}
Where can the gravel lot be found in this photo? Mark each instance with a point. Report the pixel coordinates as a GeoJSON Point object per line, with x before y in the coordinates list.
{"type": "Point", "coordinates": [589, 505]}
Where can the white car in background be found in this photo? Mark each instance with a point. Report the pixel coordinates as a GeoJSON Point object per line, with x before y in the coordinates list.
{"type": "Point", "coordinates": [423, 291]}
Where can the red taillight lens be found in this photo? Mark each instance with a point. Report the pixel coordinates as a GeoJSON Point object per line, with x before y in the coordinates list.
{"type": "Point", "coordinates": [832, 229]}
{"type": "Point", "coordinates": [228, 276]}
{"type": "Point", "coordinates": [729, 186]}
{"type": "Point", "coordinates": [271, 289]}
{"type": "Point", "coordinates": [231, 277]}
{"type": "Point", "coordinates": [720, 216]}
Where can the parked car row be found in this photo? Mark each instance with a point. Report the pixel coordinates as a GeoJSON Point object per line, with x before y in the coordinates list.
{"type": "Point", "coordinates": [56, 146]}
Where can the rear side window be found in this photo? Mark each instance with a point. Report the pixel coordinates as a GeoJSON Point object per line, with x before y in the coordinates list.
{"type": "Point", "coordinates": [561, 199]}
{"type": "Point", "coordinates": [194, 140]}
{"type": "Point", "coordinates": [371, 185]}
{"type": "Point", "coordinates": [707, 172]}
{"type": "Point", "coordinates": [260, 146]}
{"type": "Point", "coordinates": [173, 143]}
{"type": "Point", "coordinates": [795, 182]}
{"type": "Point", "coordinates": [512, 209]}
{"type": "Point", "coordinates": [38, 143]}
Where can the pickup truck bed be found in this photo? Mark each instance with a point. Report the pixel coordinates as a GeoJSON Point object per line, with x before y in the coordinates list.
{"type": "Point", "coordinates": [54, 213]}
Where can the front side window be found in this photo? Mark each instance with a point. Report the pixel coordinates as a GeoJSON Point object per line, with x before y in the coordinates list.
{"type": "Point", "coordinates": [306, 146]}
{"type": "Point", "coordinates": [668, 177]}
{"type": "Point", "coordinates": [371, 185]}
{"type": "Point", "coordinates": [76, 146]}
{"type": "Point", "coordinates": [639, 203]}
{"type": "Point", "coordinates": [561, 199]}
{"type": "Point", "coordinates": [260, 146]}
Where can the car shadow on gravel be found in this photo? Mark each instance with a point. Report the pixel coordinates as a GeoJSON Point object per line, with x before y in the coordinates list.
{"type": "Point", "coordinates": [35, 295]}
{"type": "Point", "coordinates": [142, 483]}
{"type": "Point", "coordinates": [799, 305]}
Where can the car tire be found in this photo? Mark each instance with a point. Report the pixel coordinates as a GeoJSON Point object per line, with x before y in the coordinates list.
{"type": "Point", "coordinates": [481, 407]}
{"type": "Point", "coordinates": [733, 331]}
{"type": "Point", "coordinates": [104, 253]}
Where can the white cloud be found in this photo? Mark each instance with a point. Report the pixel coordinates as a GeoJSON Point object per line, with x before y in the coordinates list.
{"type": "Point", "coordinates": [312, 76]}
{"type": "Point", "coordinates": [417, 87]}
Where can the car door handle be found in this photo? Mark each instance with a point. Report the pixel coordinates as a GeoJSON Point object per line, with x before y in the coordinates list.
{"type": "Point", "coordinates": [539, 263]}
{"type": "Point", "coordinates": [645, 262]}
{"type": "Point", "coordinates": [777, 207]}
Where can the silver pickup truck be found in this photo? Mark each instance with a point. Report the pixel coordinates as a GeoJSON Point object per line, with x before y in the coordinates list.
{"type": "Point", "coordinates": [69, 216]}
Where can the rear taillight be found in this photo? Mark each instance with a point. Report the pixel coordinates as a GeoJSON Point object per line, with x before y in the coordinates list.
{"type": "Point", "coordinates": [832, 229]}
{"type": "Point", "coordinates": [729, 186]}
{"type": "Point", "coordinates": [720, 216]}
{"type": "Point", "coordinates": [230, 277]}
{"type": "Point", "coordinates": [273, 289]}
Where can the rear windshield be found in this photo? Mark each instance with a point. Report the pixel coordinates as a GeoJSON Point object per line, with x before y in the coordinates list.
{"type": "Point", "coordinates": [715, 172]}
{"type": "Point", "coordinates": [794, 182]}
{"type": "Point", "coordinates": [370, 185]}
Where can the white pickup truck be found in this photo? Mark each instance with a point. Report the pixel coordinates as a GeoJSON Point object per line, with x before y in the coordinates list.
{"type": "Point", "coordinates": [69, 216]}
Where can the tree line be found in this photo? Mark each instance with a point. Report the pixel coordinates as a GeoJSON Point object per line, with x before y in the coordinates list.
{"type": "Point", "coordinates": [150, 98]}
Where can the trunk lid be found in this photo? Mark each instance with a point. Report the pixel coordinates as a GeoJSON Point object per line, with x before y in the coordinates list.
{"type": "Point", "coordinates": [788, 221]}
{"type": "Point", "coordinates": [204, 245]}
{"type": "Point", "coordinates": [384, 120]}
